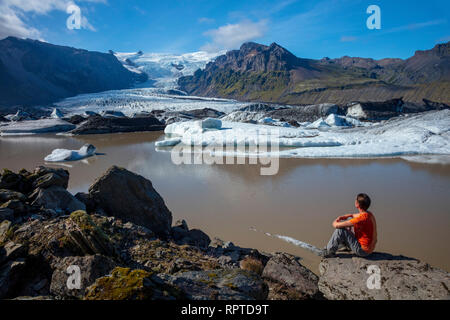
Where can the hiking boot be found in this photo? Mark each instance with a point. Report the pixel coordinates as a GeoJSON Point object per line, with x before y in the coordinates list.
{"type": "Point", "coordinates": [326, 254]}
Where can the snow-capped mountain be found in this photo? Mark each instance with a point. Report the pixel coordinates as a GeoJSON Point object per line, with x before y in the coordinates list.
{"type": "Point", "coordinates": [163, 69]}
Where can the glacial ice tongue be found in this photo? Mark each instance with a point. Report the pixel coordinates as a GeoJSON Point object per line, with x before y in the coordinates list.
{"type": "Point", "coordinates": [131, 101]}
{"type": "Point", "coordinates": [164, 69]}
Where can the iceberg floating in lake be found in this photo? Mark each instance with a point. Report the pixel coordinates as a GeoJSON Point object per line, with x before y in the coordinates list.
{"type": "Point", "coordinates": [36, 126]}
{"type": "Point", "coordinates": [71, 155]}
{"type": "Point", "coordinates": [418, 134]}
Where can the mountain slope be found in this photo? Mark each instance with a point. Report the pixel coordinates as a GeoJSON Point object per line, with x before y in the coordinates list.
{"type": "Point", "coordinates": [273, 74]}
{"type": "Point", "coordinates": [34, 72]}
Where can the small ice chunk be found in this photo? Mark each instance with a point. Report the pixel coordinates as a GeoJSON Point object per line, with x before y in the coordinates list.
{"type": "Point", "coordinates": [319, 123]}
{"type": "Point", "coordinates": [57, 155]}
{"type": "Point", "coordinates": [267, 120]}
{"type": "Point", "coordinates": [342, 121]}
{"type": "Point", "coordinates": [168, 142]}
{"type": "Point", "coordinates": [56, 114]}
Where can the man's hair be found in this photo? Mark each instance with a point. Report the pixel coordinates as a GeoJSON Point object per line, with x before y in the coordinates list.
{"type": "Point", "coordinates": [363, 201]}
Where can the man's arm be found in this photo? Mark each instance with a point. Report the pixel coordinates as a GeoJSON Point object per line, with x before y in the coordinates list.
{"type": "Point", "coordinates": [345, 217]}
{"type": "Point", "coordinates": [339, 223]}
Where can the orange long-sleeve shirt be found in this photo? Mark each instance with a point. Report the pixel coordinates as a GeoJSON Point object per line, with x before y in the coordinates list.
{"type": "Point", "coordinates": [365, 227]}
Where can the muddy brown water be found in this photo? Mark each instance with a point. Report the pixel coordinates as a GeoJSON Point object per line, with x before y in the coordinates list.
{"type": "Point", "coordinates": [410, 200]}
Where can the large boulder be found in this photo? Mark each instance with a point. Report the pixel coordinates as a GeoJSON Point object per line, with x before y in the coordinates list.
{"type": "Point", "coordinates": [11, 273]}
{"type": "Point", "coordinates": [355, 278]}
{"type": "Point", "coordinates": [51, 179]}
{"type": "Point", "coordinates": [75, 119]}
{"type": "Point", "coordinates": [91, 268]}
{"type": "Point", "coordinates": [6, 214]}
{"type": "Point", "coordinates": [375, 111]}
{"type": "Point", "coordinates": [131, 197]}
{"type": "Point", "coordinates": [12, 268]}
{"type": "Point", "coordinates": [14, 181]}
{"type": "Point", "coordinates": [18, 207]}
{"type": "Point", "coordinates": [289, 279]}
{"type": "Point", "coordinates": [97, 125]}
{"type": "Point", "coordinates": [195, 237]}
{"type": "Point", "coordinates": [205, 113]}
{"type": "Point", "coordinates": [56, 198]}
{"type": "Point", "coordinates": [24, 181]}
{"type": "Point", "coordinates": [6, 195]}
{"type": "Point", "coordinates": [304, 113]}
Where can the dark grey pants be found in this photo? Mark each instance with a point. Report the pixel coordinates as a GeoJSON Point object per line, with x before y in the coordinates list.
{"type": "Point", "coordinates": [347, 238]}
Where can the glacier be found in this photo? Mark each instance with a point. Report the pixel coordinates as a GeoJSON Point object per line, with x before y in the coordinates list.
{"type": "Point", "coordinates": [131, 101]}
{"type": "Point", "coordinates": [159, 93]}
{"type": "Point", "coordinates": [164, 68]}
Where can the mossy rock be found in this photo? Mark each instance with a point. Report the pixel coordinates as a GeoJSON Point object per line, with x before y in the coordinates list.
{"type": "Point", "coordinates": [122, 284]}
{"type": "Point", "coordinates": [83, 220]}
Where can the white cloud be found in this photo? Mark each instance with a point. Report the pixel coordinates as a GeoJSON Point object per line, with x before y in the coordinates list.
{"type": "Point", "coordinates": [231, 36]}
{"type": "Point", "coordinates": [14, 13]}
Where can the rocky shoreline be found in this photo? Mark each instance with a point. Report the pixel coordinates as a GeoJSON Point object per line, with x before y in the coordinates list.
{"type": "Point", "coordinates": [121, 236]}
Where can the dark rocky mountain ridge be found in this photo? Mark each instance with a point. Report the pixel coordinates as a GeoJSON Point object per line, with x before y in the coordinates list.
{"type": "Point", "coordinates": [34, 72]}
{"type": "Point", "coordinates": [257, 72]}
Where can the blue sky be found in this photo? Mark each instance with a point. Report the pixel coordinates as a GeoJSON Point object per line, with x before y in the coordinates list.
{"type": "Point", "coordinates": [310, 29]}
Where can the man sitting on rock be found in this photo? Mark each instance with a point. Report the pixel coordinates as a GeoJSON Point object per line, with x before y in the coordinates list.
{"type": "Point", "coordinates": [364, 236]}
